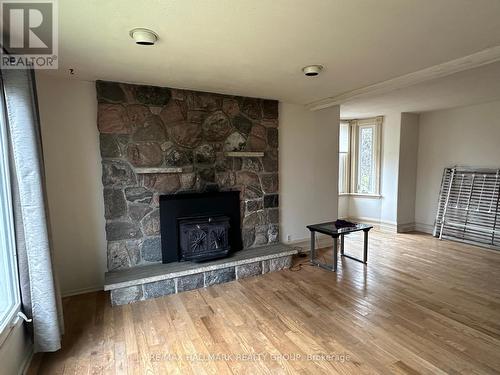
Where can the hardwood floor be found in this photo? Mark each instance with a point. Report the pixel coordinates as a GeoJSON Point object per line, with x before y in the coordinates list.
{"type": "Point", "coordinates": [420, 306]}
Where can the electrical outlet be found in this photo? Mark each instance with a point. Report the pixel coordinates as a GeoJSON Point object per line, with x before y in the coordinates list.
{"type": "Point", "coordinates": [289, 238]}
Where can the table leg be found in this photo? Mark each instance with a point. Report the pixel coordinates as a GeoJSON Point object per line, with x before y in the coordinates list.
{"type": "Point", "coordinates": [313, 243]}
{"type": "Point", "coordinates": [335, 256]}
{"type": "Point", "coordinates": [365, 247]}
{"type": "Point", "coordinates": [341, 244]}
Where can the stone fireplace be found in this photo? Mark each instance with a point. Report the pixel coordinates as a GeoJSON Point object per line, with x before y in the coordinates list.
{"type": "Point", "coordinates": [157, 141]}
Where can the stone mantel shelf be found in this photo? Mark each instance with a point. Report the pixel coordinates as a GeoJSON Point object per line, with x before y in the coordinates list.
{"type": "Point", "coordinates": [159, 271]}
{"type": "Point", "coordinates": [157, 170]}
{"type": "Point", "coordinates": [245, 154]}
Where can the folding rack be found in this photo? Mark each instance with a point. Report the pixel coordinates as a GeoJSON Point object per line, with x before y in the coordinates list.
{"type": "Point", "coordinates": [468, 206]}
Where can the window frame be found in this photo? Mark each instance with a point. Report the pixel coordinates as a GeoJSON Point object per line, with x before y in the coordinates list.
{"type": "Point", "coordinates": [347, 172]}
{"type": "Point", "coordinates": [11, 317]}
{"type": "Point", "coordinates": [355, 126]}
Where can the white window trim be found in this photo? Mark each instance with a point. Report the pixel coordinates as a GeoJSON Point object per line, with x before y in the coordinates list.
{"type": "Point", "coordinates": [363, 195]}
{"type": "Point", "coordinates": [376, 123]}
{"type": "Point", "coordinates": [12, 318]}
{"type": "Point", "coordinates": [348, 170]}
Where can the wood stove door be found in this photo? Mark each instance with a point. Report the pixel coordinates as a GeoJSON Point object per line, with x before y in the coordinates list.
{"type": "Point", "coordinates": [193, 240]}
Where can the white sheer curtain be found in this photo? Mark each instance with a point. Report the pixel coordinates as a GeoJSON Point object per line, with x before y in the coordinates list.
{"type": "Point", "coordinates": [39, 292]}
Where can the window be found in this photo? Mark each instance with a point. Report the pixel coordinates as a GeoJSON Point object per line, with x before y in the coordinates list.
{"type": "Point", "coordinates": [9, 289]}
{"type": "Point", "coordinates": [366, 160]}
{"type": "Point", "coordinates": [359, 156]}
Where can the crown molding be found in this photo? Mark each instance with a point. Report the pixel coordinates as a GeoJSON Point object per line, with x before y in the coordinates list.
{"type": "Point", "coordinates": [484, 57]}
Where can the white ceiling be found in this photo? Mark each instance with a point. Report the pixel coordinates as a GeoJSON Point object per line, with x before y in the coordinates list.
{"type": "Point", "coordinates": [468, 87]}
{"type": "Point", "coordinates": [257, 47]}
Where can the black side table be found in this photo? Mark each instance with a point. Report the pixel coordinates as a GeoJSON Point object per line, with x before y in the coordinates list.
{"type": "Point", "coordinates": [336, 233]}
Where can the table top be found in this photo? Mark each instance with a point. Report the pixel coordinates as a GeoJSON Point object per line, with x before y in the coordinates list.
{"type": "Point", "coordinates": [331, 229]}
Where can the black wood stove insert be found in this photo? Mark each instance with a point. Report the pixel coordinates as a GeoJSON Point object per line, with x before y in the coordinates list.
{"type": "Point", "coordinates": [202, 238]}
{"type": "Point", "coordinates": [199, 226]}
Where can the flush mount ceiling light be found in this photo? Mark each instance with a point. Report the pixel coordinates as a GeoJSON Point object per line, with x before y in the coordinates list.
{"type": "Point", "coordinates": [312, 70]}
{"type": "Point", "coordinates": [144, 37]}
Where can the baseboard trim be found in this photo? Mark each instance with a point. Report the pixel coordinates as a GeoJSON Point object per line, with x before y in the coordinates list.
{"type": "Point", "coordinates": [322, 240]}
{"type": "Point", "coordinates": [424, 228]}
{"type": "Point", "coordinates": [384, 226]}
{"type": "Point", "coordinates": [405, 228]}
{"type": "Point", "coordinates": [75, 292]}
{"type": "Point", "coordinates": [388, 226]}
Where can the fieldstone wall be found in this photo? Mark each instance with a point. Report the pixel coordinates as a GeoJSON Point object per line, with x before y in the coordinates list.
{"type": "Point", "coordinates": [145, 127]}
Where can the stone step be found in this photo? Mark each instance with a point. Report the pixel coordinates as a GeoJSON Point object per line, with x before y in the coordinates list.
{"type": "Point", "coordinates": [141, 283]}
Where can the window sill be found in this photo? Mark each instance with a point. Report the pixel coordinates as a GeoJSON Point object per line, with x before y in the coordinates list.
{"type": "Point", "coordinates": [359, 195]}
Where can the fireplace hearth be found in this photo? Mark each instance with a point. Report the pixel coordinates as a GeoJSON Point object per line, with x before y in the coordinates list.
{"type": "Point", "coordinates": [204, 238]}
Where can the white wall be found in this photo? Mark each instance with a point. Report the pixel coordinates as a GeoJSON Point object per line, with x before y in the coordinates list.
{"type": "Point", "coordinates": [365, 208]}
{"type": "Point", "coordinates": [407, 181]}
{"type": "Point", "coordinates": [308, 154]}
{"type": "Point", "coordinates": [68, 111]}
{"type": "Point", "coordinates": [16, 350]}
{"type": "Point", "coordinates": [343, 209]}
{"type": "Point", "coordinates": [390, 167]}
{"type": "Point", "coordinates": [467, 136]}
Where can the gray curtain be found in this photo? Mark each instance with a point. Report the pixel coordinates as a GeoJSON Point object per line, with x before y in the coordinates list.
{"type": "Point", "coordinates": [40, 297]}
